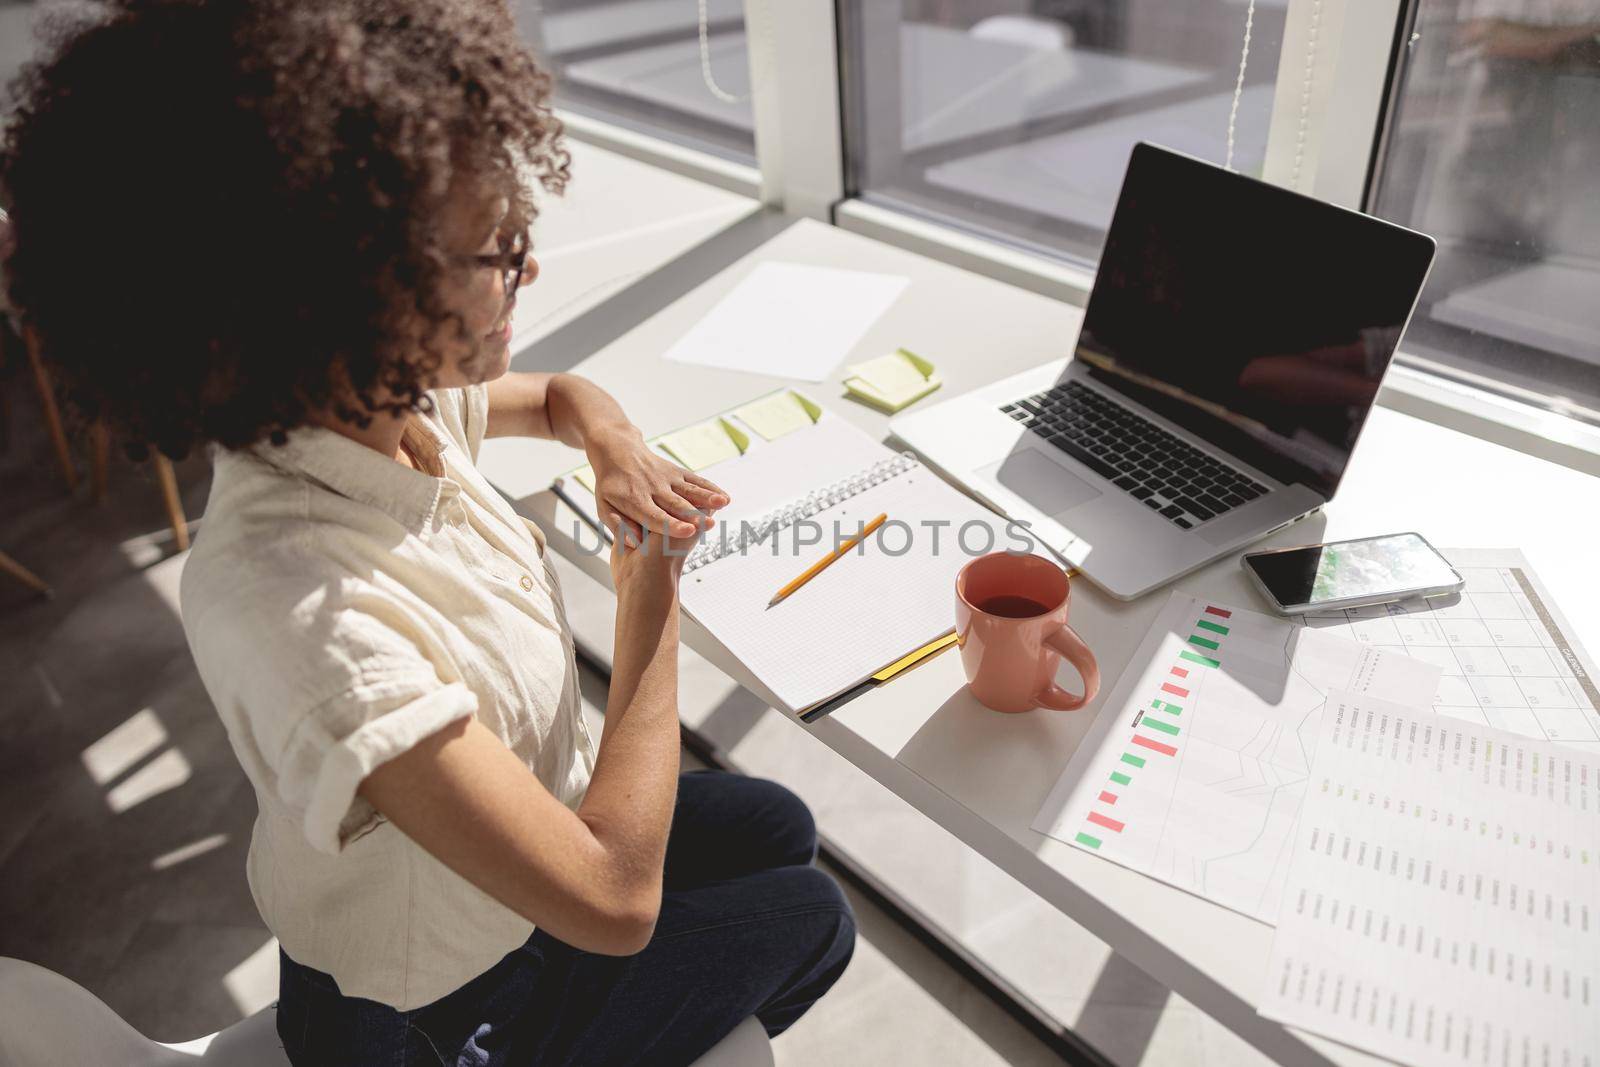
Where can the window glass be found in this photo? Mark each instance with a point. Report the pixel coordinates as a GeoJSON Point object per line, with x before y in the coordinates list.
{"type": "Point", "coordinates": [17, 42]}
{"type": "Point", "coordinates": [1015, 118]}
{"type": "Point", "coordinates": [678, 69]}
{"type": "Point", "coordinates": [1493, 148]}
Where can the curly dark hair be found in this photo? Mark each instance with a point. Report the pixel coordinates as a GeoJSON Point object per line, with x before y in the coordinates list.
{"type": "Point", "coordinates": [267, 177]}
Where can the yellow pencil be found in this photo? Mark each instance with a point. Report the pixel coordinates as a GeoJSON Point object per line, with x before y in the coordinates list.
{"type": "Point", "coordinates": [816, 568]}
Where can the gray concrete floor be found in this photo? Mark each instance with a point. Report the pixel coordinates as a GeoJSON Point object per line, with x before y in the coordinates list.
{"type": "Point", "coordinates": [124, 818]}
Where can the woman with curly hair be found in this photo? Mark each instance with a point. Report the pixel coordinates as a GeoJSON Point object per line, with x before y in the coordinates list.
{"type": "Point", "coordinates": [325, 207]}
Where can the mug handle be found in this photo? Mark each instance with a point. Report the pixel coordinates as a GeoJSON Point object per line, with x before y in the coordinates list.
{"type": "Point", "coordinates": [1071, 646]}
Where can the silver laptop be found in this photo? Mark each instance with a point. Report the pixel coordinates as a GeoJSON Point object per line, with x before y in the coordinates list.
{"type": "Point", "coordinates": [1232, 348]}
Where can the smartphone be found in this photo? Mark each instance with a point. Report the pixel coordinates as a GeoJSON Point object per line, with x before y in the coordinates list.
{"type": "Point", "coordinates": [1348, 574]}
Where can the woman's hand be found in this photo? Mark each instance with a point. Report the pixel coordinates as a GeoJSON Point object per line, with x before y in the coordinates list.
{"type": "Point", "coordinates": [647, 572]}
{"type": "Point", "coordinates": [640, 493]}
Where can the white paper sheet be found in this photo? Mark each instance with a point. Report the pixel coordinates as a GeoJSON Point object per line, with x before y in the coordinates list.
{"type": "Point", "coordinates": [789, 320]}
{"type": "Point", "coordinates": [1443, 905]}
{"type": "Point", "coordinates": [1195, 767]}
{"type": "Point", "coordinates": [885, 598]}
{"type": "Point", "coordinates": [1504, 648]}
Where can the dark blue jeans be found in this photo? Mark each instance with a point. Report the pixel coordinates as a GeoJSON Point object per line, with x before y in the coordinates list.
{"type": "Point", "coordinates": [748, 927]}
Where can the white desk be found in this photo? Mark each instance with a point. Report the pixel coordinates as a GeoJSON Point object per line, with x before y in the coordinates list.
{"type": "Point", "coordinates": [981, 775]}
{"type": "Point", "coordinates": [952, 84]}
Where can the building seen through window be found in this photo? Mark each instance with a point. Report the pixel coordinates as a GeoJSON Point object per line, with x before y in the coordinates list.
{"type": "Point", "coordinates": [1016, 119]}
{"type": "Point", "coordinates": [1493, 148]}
{"type": "Point", "coordinates": [678, 69]}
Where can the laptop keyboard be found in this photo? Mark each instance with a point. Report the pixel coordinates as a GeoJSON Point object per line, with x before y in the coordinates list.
{"type": "Point", "coordinates": [1168, 475]}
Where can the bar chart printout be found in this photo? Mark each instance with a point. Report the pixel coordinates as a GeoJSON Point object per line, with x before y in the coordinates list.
{"type": "Point", "coordinates": [1195, 766]}
{"type": "Point", "coordinates": [1443, 905]}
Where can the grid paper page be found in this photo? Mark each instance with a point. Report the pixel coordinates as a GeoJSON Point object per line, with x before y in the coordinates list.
{"type": "Point", "coordinates": [882, 600]}
{"type": "Point", "coordinates": [1505, 650]}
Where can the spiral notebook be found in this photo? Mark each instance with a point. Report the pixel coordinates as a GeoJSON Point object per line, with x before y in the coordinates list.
{"type": "Point", "coordinates": [868, 609]}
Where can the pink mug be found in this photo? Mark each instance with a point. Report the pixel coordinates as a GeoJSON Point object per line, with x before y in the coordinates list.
{"type": "Point", "coordinates": [1011, 624]}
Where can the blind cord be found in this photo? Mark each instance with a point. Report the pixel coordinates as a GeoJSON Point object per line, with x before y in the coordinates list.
{"type": "Point", "coordinates": [705, 60]}
{"type": "Point", "coordinates": [1238, 85]}
{"type": "Point", "coordinates": [1303, 123]}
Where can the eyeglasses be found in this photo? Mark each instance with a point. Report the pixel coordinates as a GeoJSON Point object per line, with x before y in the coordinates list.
{"type": "Point", "coordinates": [510, 261]}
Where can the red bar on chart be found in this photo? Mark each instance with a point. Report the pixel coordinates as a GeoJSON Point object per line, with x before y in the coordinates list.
{"type": "Point", "coordinates": [1181, 672]}
{"type": "Point", "coordinates": [1107, 797]}
{"type": "Point", "coordinates": [1110, 824]}
{"type": "Point", "coordinates": [1170, 688]}
{"type": "Point", "coordinates": [1156, 746]}
{"type": "Point", "coordinates": [1219, 612]}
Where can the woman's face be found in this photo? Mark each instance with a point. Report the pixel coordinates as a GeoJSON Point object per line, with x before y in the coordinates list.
{"type": "Point", "coordinates": [475, 226]}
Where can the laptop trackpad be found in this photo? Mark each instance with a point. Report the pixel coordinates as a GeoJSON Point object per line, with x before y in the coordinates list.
{"type": "Point", "coordinates": [1036, 477]}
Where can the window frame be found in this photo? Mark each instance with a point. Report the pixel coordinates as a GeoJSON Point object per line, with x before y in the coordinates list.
{"type": "Point", "coordinates": [799, 166]}
{"type": "Point", "coordinates": [1326, 137]}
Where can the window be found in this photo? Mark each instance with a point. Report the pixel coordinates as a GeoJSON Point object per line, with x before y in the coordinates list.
{"type": "Point", "coordinates": [17, 43]}
{"type": "Point", "coordinates": [673, 68]}
{"type": "Point", "coordinates": [1015, 119]}
{"type": "Point", "coordinates": [1493, 148]}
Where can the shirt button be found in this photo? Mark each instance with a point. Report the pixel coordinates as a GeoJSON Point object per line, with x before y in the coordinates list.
{"type": "Point", "coordinates": [527, 584]}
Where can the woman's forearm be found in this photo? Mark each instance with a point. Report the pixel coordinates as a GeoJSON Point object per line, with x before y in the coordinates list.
{"type": "Point", "coordinates": [562, 407]}
{"type": "Point", "coordinates": [581, 413]}
{"type": "Point", "coordinates": [628, 806]}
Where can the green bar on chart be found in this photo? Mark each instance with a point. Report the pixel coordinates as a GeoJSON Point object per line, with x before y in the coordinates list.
{"type": "Point", "coordinates": [1131, 759]}
{"type": "Point", "coordinates": [1203, 643]}
{"type": "Point", "coordinates": [1120, 778]}
{"type": "Point", "coordinates": [1085, 839]}
{"type": "Point", "coordinates": [1157, 724]}
{"type": "Point", "coordinates": [1216, 628]}
{"type": "Point", "coordinates": [1203, 661]}
{"type": "Point", "coordinates": [1167, 706]}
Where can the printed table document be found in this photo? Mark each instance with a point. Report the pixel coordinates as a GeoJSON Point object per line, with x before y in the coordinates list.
{"type": "Point", "coordinates": [1195, 767]}
{"type": "Point", "coordinates": [1443, 904]}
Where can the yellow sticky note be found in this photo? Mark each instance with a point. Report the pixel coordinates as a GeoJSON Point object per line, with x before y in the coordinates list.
{"type": "Point", "coordinates": [893, 381]}
{"type": "Point", "coordinates": [778, 414]}
{"type": "Point", "coordinates": [703, 444]}
{"type": "Point", "coordinates": [584, 476]}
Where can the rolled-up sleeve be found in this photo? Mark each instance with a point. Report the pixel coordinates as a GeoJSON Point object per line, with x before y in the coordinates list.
{"type": "Point", "coordinates": [325, 764]}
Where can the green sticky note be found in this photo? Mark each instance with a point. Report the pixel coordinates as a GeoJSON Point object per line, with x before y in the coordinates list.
{"type": "Point", "coordinates": [703, 444]}
{"type": "Point", "coordinates": [778, 414]}
{"type": "Point", "coordinates": [891, 382]}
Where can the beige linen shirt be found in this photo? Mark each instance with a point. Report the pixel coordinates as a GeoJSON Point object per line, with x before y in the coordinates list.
{"type": "Point", "coordinates": [342, 607]}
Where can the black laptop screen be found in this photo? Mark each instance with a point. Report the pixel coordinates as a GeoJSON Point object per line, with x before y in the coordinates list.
{"type": "Point", "coordinates": [1259, 319]}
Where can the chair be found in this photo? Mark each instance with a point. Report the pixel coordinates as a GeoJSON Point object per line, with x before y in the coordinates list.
{"type": "Point", "coordinates": [99, 440]}
{"type": "Point", "coordinates": [46, 1019]}
{"type": "Point", "coordinates": [747, 1046]}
